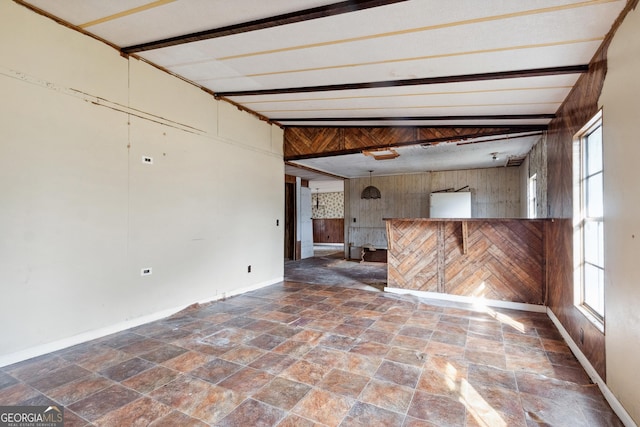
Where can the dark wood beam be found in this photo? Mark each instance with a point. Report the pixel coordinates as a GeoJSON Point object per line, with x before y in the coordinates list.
{"type": "Point", "coordinates": [514, 74]}
{"type": "Point", "coordinates": [519, 128]}
{"type": "Point", "coordinates": [418, 118]}
{"type": "Point", "coordinates": [261, 24]}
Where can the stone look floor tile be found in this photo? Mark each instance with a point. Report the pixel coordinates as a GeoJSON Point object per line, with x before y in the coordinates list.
{"type": "Point", "coordinates": [58, 378]}
{"type": "Point", "coordinates": [398, 373]}
{"type": "Point", "coordinates": [273, 363]}
{"type": "Point", "coordinates": [344, 383]}
{"type": "Point", "coordinates": [439, 410]}
{"type": "Point", "coordinates": [216, 370]}
{"type": "Point", "coordinates": [140, 412]}
{"type": "Point", "coordinates": [36, 368]}
{"type": "Point", "coordinates": [17, 393]}
{"type": "Point", "coordinates": [365, 415]}
{"type": "Point", "coordinates": [252, 413]}
{"type": "Point", "coordinates": [163, 353]}
{"type": "Point", "coordinates": [282, 393]}
{"type": "Point", "coordinates": [127, 369]}
{"type": "Point", "coordinates": [6, 380]}
{"type": "Point", "coordinates": [296, 354]}
{"type": "Point", "coordinates": [306, 372]}
{"type": "Point", "coordinates": [242, 354]}
{"type": "Point", "coordinates": [177, 418]}
{"type": "Point", "coordinates": [103, 402]}
{"type": "Point", "coordinates": [77, 390]}
{"type": "Point", "coordinates": [151, 379]}
{"type": "Point", "coordinates": [387, 395]}
{"type": "Point", "coordinates": [198, 399]}
{"type": "Point", "coordinates": [324, 407]}
{"type": "Point", "coordinates": [247, 380]}
{"type": "Point", "coordinates": [72, 419]}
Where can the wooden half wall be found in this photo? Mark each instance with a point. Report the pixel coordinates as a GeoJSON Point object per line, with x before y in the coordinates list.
{"type": "Point", "coordinates": [498, 259]}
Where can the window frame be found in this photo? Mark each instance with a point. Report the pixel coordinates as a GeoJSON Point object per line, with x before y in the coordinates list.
{"type": "Point", "coordinates": [582, 178]}
{"type": "Point", "coordinates": [532, 196]}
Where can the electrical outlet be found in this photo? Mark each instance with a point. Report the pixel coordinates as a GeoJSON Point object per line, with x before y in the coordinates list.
{"type": "Point", "coordinates": [249, 269]}
{"type": "Point", "coordinates": [145, 271]}
{"type": "Point", "coordinates": [147, 160]}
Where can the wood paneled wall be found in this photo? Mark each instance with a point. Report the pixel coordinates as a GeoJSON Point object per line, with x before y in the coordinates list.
{"type": "Point", "coordinates": [535, 163]}
{"type": "Point", "coordinates": [495, 193]}
{"type": "Point", "coordinates": [328, 230]}
{"type": "Point", "coordinates": [580, 106]}
{"type": "Point", "coordinates": [306, 142]}
{"type": "Point", "coordinates": [504, 259]}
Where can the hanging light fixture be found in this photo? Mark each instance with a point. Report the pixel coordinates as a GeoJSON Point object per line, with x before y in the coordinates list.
{"type": "Point", "coordinates": [370, 192]}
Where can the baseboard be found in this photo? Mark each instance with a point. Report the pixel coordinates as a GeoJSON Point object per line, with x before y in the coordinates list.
{"type": "Point", "coordinates": [39, 350]}
{"type": "Point", "coordinates": [593, 374]}
{"type": "Point", "coordinates": [471, 300]}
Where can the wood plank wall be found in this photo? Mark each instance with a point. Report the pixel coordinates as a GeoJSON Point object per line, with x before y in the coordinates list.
{"type": "Point", "coordinates": [328, 230]}
{"type": "Point", "coordinates": [505, 259]}
{"type": "Point", "coordinates": [580, 106]}
{"type": "Point", "coordinates": [495, 193]}
{"type": "Point", "coordinates": [307, 142]}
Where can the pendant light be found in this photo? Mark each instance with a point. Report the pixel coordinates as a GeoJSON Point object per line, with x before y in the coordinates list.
{"type": "Point", "coordinates": [370, 192]}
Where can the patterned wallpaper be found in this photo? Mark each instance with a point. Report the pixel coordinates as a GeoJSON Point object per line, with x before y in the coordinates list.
{"type": "Point", "coordinates": [327, 205]}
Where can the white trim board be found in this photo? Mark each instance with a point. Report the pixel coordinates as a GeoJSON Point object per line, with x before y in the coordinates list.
{"type": "Point", "coordinates": [470, 300]}
{"type": "Point", "coordinates": [39, 350]}
{"type": "Point", "coordinates": [606, 392]}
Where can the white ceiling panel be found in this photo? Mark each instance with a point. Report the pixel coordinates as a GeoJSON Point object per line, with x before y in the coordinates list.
{"type": "Point", "coordinates": [485, 86]}
{"type": "Point", "coordinates": [130, 22]}
{"type": "Point", "coordinates": [447, 66]}
{"type": "Point", "coordinates": [531, 96]}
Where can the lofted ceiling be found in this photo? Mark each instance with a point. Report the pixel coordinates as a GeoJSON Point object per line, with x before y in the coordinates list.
{"type": "Point", "coordinates": [368, 63]}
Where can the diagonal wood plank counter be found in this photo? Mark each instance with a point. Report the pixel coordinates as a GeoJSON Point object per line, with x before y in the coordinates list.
{"type": "Point", "coordinates": [496, 259]}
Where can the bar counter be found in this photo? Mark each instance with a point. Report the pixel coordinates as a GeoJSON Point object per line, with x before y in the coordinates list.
{"type": "Point", "coordinates": [494, 258]}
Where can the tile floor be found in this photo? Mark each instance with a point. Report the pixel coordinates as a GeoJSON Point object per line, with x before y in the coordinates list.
{"type": "Point", "coordinates": [296, 354]}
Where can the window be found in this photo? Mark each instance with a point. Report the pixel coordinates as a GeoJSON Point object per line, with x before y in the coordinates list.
{"type": "Point", "coordinates": [588, 220]}
{"type": "Point", "coordinates": [531, 195]}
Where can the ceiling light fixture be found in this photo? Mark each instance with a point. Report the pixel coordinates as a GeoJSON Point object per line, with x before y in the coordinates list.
{"type": "Point", "coordinates": [370, 192]}
{"type": "Point", "coordinates": [387, 154]}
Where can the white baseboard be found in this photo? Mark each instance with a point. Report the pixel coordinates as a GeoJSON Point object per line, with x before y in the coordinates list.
{"type": "Point", "coordinates": [39, 350]}
{"type": "Point", "coordinates": [606, 392]}
{"type": "Point", "coordinates": [471, 300]}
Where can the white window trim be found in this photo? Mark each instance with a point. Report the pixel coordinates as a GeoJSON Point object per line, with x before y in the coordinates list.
{"type": "Point", "coordinates": [578, 206]}
{"type": "Point", "coordinates": [532, 199]}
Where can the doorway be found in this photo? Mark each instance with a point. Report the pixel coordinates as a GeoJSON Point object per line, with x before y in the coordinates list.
{"type": "Point", "coordinates": [290, 220]}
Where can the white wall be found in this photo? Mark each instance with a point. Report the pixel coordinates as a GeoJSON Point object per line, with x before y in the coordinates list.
{"type": "Point", "coordinates": [620, 100]}
{"type": "Point", "coordinates": [81, 215]}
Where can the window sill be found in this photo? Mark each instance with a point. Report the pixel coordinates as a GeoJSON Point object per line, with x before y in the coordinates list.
{"type": "Point", "coordinates": [599, 324]}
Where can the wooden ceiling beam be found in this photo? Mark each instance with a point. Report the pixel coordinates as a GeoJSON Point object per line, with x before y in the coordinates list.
{"type": "Point", "coordinates": [519, 128]}
{"type": "Point", "coordinates": [261, 24]}
{"type": "Point", "coordinates": [514, 74]}
{"type": "Point", "coordinates": [419, 118]}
